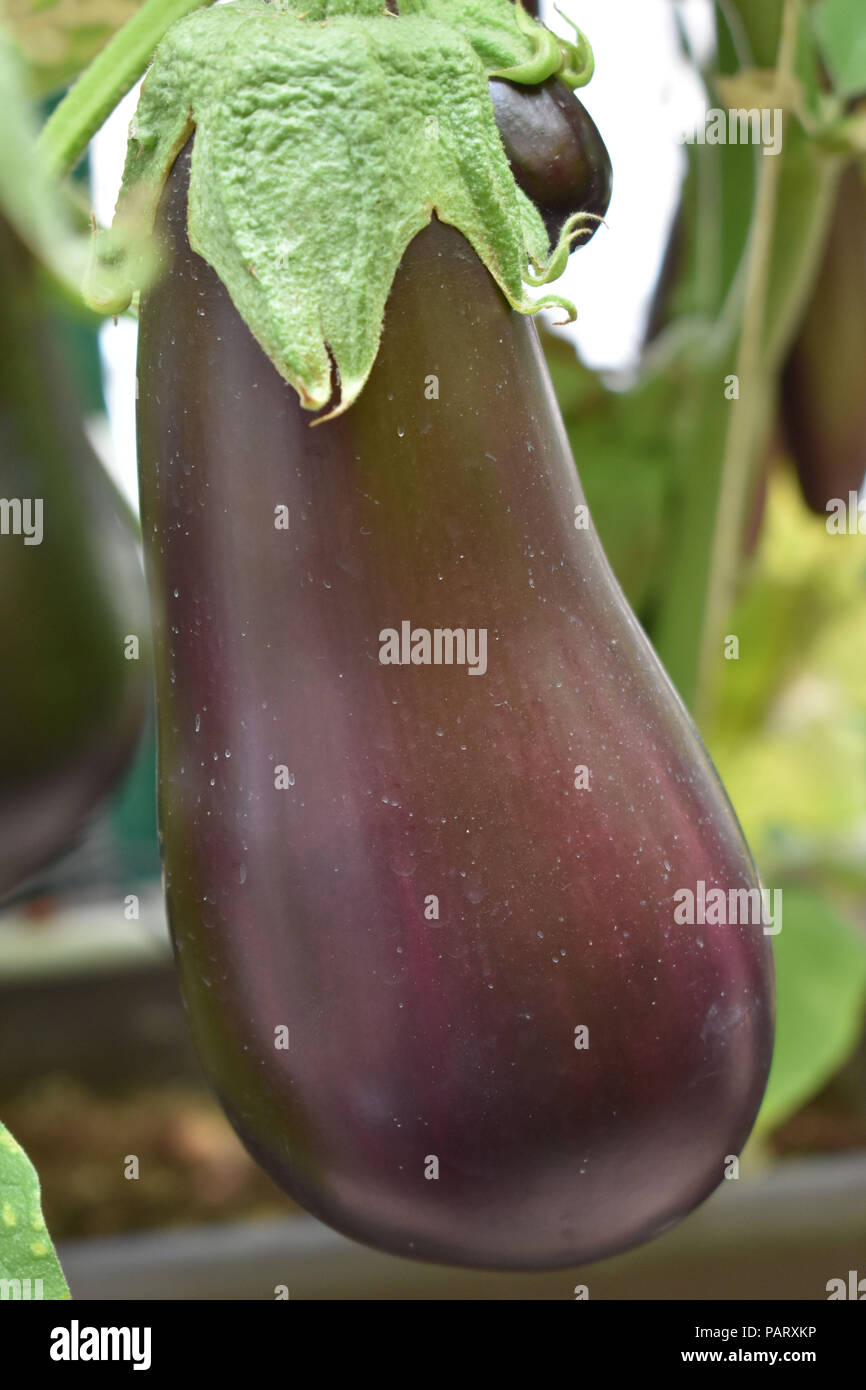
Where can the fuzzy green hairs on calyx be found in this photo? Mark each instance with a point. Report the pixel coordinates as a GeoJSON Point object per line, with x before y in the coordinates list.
{"type": "Point", "coordinates": [328, 133]}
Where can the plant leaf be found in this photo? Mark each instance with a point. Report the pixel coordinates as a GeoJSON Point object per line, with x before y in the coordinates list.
{"type": "Point", "coordinates": [821, 998]}
{"type": "Point", "coordinates": [789, 737]}
{"type": "Point", "coordinates": [29, 199]}
{"type": "Point", "coordinates": [58, 38]}
{"type": "Point", "coordinates": [842, 39]}
{"type": "Point", "coordinates": [26, 1252]}
{"type": "Point", "coordinates": [621, 445]}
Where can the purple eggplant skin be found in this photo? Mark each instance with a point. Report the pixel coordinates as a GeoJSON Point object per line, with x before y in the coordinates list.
{"type": "Point", "coordinates": [445, 496]}
{"type": "Point", "coordinates": [73, 706]}
{"type": "Point", "coordinates": [555, 150]}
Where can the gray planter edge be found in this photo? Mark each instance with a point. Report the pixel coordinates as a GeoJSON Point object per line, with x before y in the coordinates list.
{"type": "Point", "coordinates": [782, 1234]}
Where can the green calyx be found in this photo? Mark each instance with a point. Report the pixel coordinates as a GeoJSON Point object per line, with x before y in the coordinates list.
{"type": "Point", "coordinates": [327, 135]}
{"type": "Point", "coordinates": [577, 60]}
{"type": "Point", "coordinates": [573, 63]}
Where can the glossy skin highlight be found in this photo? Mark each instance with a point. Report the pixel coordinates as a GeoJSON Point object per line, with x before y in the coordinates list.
{"type": "Point", "coordinates": [305, 903]}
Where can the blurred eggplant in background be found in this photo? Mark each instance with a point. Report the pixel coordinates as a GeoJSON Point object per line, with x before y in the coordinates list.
{"type": "Point", "coordinates": [73, 695]}
{"type": "Point", "coordinates": [823, 396]}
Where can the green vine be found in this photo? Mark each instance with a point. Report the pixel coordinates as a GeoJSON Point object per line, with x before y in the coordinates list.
{"type": "Point", "coordinates": [739, 319]}
{"type": "Point", "coordinates": [115, 70]}
{"type": "Point", "coordinates": [746, 420]}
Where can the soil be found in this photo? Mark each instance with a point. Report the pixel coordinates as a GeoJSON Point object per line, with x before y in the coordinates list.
{"type": "Point", "coordinates": [191, 1167]}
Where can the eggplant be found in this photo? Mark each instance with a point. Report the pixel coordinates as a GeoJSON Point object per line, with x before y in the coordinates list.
{"type": "Point", "coordinates": [823, 404]}
{"type": "Point", "coordinates": [394, 904]}
{"type": "Point", "coordinates": [555, 151]}
{"type": "Point", "coordinates": [73, 706]}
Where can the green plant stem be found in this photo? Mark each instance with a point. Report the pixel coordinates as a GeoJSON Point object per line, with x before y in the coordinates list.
{"type": "Point", "coordinates": [717, 444]}
{"type": "Point", "coordinates": [737, 30]}
{"type": "Point", "coordinates": [747, 415]}
{"type": "Point", "coordinates": [106, 81]}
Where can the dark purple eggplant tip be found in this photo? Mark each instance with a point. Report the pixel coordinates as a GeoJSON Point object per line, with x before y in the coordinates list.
{"type": "Point", "coordinates": [555, 151]}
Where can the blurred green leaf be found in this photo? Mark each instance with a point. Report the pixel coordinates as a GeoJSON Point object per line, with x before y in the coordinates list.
{"type": "Point", "coordinates": [742, 329]}
{"type": "Point", "coordinates": [29, 198]}
{"type": "Point", "coordinates": [757, 25]}
{"type": "Point", "coordinates": [842, 39]}
{"type": "Point", "coordinates": [59, 38]}
{"type": "Point", "coordinates": [620, 442]}
{"type": "Point", "coordinates": [821, 998]}
{"type": "Point", "coordinates": [43, 213]}
{"type": "Point", "coordinates": [26, 1252]}
{"type": "Point", "coordinates": [789, 738]}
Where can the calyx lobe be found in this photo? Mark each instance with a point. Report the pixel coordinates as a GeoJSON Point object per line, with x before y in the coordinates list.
{"type": "Point", "coordinates": [326, 136]}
